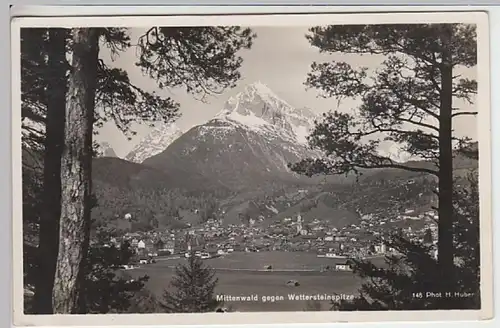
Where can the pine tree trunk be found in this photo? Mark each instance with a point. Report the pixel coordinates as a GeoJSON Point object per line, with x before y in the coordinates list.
{"type": "Point", "coordinates": [445, 225]}
{"type": "Point", "coordinates": [54, 141]}
{"type": "Point", "coordinates": [76, 167]}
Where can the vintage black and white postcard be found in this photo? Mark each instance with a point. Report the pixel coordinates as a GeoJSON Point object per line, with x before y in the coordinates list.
{"type": "Point", "coordinates": [251, 169]}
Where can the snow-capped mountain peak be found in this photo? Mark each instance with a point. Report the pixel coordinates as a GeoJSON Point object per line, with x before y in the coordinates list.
{"type": "Point", "coordinates": [106, 150]}
{"type": "Point", "coordinates": [257, 98]}
{"type": "Point", "coordinates": [155, 142]}
{"type": "Point", "coordinates": [250, 142]}
{"type": "Point", "coordinates": [394, 152]}
{"type": "Point", "coordinates": [258, 108]}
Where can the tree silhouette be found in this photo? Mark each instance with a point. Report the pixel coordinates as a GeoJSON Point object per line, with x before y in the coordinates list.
{"type": "Point", "coordinates": [76, 166]}
{"type": "Point", "coordinates": [428, 237]}
{"type": "Point", "coordinates": [207, 206]}
{"type": "Point", "coordinates": [403, 282]}
{"type": "Point", "coordinates": [202, 59]}
{"type": "Point", "coordinates": [44, 72]}
{"type": "Point", "coordinates": [194, 286]}
{"type": "Point", "coordinates": [43, 86]}
{"type": "Point", "coordinates": [408, 101]}
{"type": "Point", "coordinates": [105, 290]}
{"type": "Point", "coordinates": [205, 61]}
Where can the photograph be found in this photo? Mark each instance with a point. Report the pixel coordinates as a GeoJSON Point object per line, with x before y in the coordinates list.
{"type": "Point", "coordinates": [287, 165]}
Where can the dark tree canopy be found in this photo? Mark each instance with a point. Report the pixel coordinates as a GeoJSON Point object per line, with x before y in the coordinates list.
{"type": "Point", "coordinates": [400, 101]}
{"type": "Point", "coordinates": [402, 283]}
{"type": "Point", "coordinates": [409, 102]}
{"type": "Point", "coordinates": [427, 236]}
{"type": "Point", "coordinates": [105, 290]}
{"type": "Point", "coordinates": [208, 63]}
{"type": "Point", "coordinates": [117, 98]}
{"type": "Point", "coordinates": [33, 85]}
{"type": "Point", "coordinates": [202, 59]}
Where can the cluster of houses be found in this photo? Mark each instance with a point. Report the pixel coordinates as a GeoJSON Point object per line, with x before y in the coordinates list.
{"type": "Point", "coordinates": [212, 239]}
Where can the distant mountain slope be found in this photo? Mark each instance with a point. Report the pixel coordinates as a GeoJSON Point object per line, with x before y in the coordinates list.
{"type": "Point", "coordinates": [125, 174]}
{"type": "Point", "coordinates": [151, 196]}
{"type": "Point", "coordinates": [155, 142]}
{"type": "Point", "coordinates": [341, 205]}
{"type": "Point", "coordinates": [240, 158]}
{"type": "Point", "coordinates": [247, 145]}
{"type": "Point", "coordinates": [106, 150]}
{"type": "Point", "coordinates": [380, 192]}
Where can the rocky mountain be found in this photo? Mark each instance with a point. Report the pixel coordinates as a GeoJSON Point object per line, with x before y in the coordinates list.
{"type": "Point", "coordinates": [156, 142]}
{"type": "Point", "coordinates": [246, 145]}
{"type": "Point", "coordinates": [258, 108]}
{"type": "Point", "coordinates": [106, 150]}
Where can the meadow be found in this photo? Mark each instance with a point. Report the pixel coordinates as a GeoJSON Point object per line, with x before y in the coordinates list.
{"type": "Point", "coordinates": [244, 274]}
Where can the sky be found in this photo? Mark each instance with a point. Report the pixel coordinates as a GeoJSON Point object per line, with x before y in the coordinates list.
{"type": "Point", "coordinates": [280, 58]}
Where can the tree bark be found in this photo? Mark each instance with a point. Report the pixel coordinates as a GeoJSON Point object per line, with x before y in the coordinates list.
{"type": "Point", "coordinates": [74, 231]}
{"type": "Point", "coordinates": [445, 194]}
{"type": "Point", "coordinates": [53, 149]}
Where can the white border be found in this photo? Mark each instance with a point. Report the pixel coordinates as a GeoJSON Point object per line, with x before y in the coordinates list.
{"type": "Point", "coordinates": [484, 130]}
{"type": "Point", "coordinates": [233, 9]}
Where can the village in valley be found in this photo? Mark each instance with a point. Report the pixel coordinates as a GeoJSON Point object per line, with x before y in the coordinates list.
{"type": "Point", "coordinates": [212, 239]}
{"type": "Point", "coordinates": [202, 168]}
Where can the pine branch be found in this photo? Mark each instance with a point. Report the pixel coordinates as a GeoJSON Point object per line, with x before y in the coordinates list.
{"type": "Point", "coordinates": [463, 114]}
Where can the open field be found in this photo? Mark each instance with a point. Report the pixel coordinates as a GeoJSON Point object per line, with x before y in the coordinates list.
{"type": "Point", "coordinates": [257, 261]}
{"type": "Point", "coordinates": [253, 280]}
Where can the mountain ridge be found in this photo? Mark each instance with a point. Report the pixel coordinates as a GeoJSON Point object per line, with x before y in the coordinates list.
{"type": "Point", "coordinates": [106, 150]}
{"type": "Point", "coordinates": [240, 157]}
{"type": "Point", "coordinates": [250, 141]}
{"type": "Point", "coordinates": [162, 135]}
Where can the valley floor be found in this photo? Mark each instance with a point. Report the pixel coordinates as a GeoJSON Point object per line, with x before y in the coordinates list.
{"type": "Point", "coordinates": [243, 275]}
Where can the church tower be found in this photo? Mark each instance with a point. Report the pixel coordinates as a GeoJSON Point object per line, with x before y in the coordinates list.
{"type": "Point", "coordinates": [299, 223]}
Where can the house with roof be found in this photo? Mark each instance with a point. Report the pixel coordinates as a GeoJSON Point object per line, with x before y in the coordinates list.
{"type": "Point", "coordinates": [134, 243]}
{"type": "Point", "coordinates": [343, 266]}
